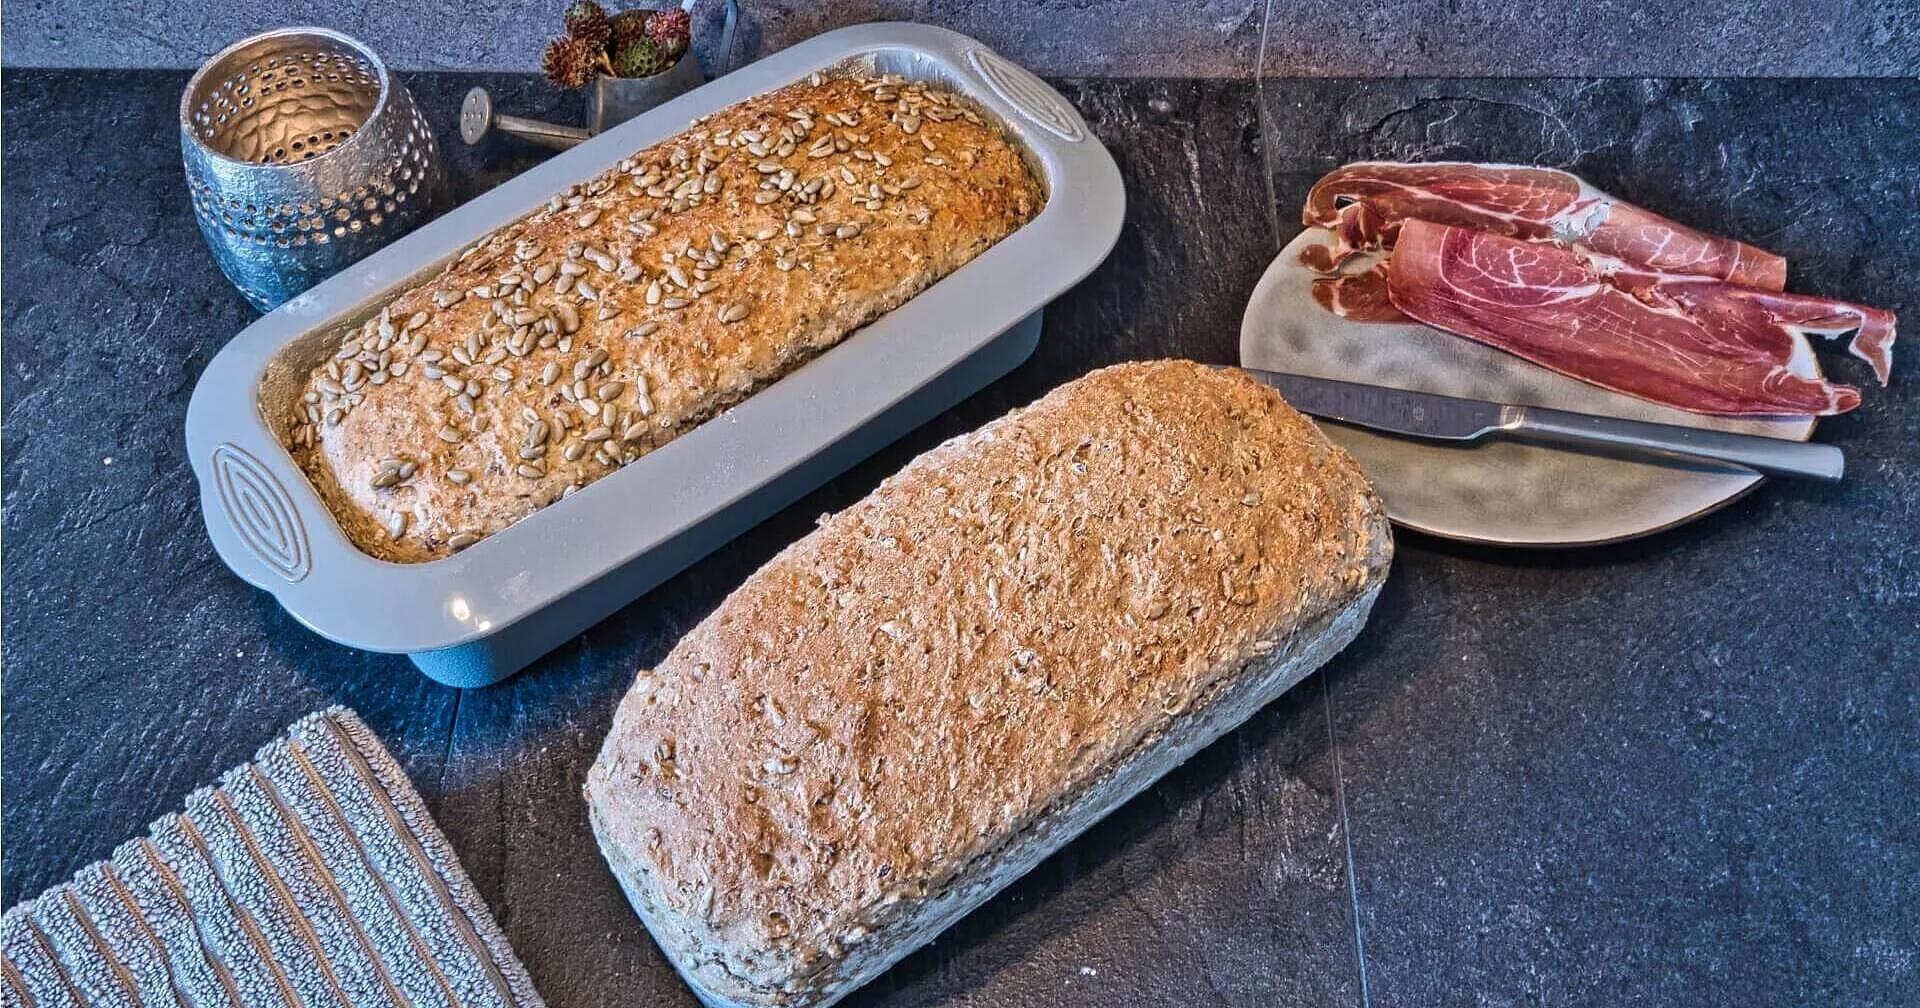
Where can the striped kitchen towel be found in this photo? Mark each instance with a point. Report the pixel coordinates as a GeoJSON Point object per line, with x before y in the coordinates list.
{"type": "Point", "coordinates": [311, 877]}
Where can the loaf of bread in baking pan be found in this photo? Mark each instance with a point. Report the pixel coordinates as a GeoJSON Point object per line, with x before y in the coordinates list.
{"type": "Point", "coordinates": [635, 306]}
{"type": "Point", "coordinates": [934, 689]}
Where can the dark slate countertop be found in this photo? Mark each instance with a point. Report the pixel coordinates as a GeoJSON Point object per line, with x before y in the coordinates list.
{"type": "Point", "coordinates": [1679, 770]}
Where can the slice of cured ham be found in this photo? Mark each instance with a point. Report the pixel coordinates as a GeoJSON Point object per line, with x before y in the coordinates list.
{"type": "Point", "coordinates": [1366, 203]}
{"type": "Point", "coordinates": [1361, 297]}
{"type": "Point", "coordinates": [1685, 341]}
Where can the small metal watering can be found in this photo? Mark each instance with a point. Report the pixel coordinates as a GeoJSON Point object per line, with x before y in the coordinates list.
{"type": "Point", "coordinates": [610, 100]}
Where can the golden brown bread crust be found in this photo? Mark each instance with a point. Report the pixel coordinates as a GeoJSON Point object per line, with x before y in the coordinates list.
{"type": "Point", "coordinates": [653, 297]}
{"type": "Point", "coordinates": [896, 697]}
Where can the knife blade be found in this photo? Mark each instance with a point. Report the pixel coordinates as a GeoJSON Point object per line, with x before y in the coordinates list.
{"type": "Point", "coordinates": [1398, 411]}
{"type": "Point", "coordinates": [1451, 418]}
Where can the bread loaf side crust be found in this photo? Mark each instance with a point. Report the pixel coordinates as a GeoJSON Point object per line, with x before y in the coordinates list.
{"type": "Point", "coordinates": [638, 305]}
{"type": "Point", "coordinates": [937, 687]}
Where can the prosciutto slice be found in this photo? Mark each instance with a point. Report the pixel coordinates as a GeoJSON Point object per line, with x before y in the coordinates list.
{"type": "Point", "coordinates": [1366, 204]}
{"type": "Point", "coordinates": [1361, 297]}
{"type": "Point", "coordinates": [1686, 341]}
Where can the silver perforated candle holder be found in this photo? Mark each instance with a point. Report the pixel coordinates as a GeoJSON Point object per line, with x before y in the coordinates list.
{"type": "Point", "coordinates": [303, 155]}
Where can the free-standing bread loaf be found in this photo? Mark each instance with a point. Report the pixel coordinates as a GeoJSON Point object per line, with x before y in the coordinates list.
{"type": "Point", "coordinates": [638, 305]}
{"type": "Point", "coordinates": [911, 706]}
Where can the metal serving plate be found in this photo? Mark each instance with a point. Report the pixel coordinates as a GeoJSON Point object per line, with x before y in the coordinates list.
{"type": "Point", "coordinates": [478, 616]}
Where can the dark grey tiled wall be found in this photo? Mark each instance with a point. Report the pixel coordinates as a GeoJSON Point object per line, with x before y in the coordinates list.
{"type": "Point", "coordinates": [1146, 38]}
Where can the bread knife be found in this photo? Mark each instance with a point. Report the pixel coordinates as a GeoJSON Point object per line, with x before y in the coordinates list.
{"type": "Point", "coordinates": [1446, 418]}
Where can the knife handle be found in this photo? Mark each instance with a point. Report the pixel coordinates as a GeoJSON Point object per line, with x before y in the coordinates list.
{"type": "Point", "coordinates": [1772, 456]}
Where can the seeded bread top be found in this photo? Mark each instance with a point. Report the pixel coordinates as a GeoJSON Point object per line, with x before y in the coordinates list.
{"type": "Point", "coordinates": [638, 305]}
{"type": "Point", "coordinates": [893, 698]}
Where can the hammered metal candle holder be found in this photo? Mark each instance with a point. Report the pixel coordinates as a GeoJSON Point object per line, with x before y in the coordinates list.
{"type": "Point", "coordinates": [302, 155]}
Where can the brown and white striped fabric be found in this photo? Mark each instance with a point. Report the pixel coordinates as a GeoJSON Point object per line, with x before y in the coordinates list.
{"type": "Point", "coordinates": [311, 877]}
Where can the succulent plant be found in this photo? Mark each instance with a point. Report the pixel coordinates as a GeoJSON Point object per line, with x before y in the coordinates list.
{"type": "Point", "coordinates": [587, 21]}
{"type": "Point", "coordinates": [569, 62]}
{"type": "Point", "coordinates": [627, 26]}
{"type": "Point", "coordinates": [640, 58]}
{"type": "Point", "coordinates": [670, 30]}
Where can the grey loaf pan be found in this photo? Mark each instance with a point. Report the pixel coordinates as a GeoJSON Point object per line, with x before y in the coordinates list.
{"type": "Point", "coordinates": [478, 616]}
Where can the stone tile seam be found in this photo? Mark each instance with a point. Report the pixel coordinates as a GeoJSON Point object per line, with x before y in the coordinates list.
{"type": "Point", "coordinates": [1346, 841]}
{"type": "Point", "coordinates": [1260, 118]}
